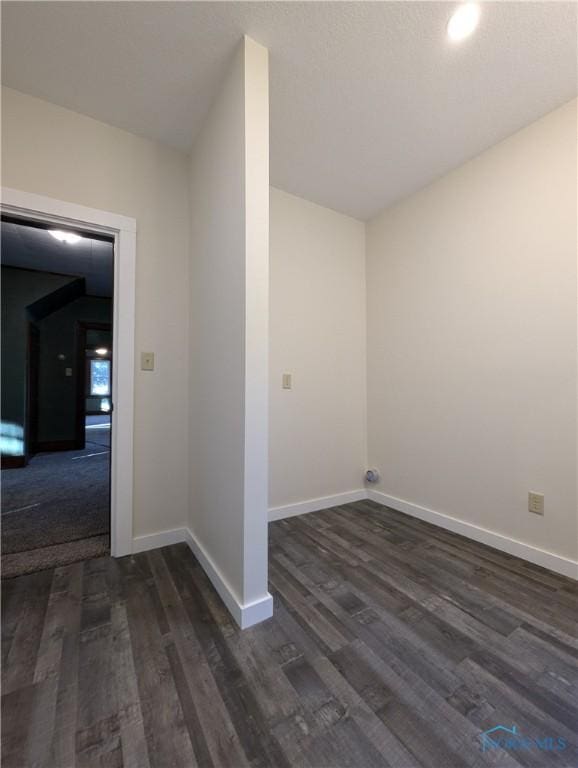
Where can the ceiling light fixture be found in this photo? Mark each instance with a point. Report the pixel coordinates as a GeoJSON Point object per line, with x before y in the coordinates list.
{"type": "Point", "coordinates": [65, 237]}
{"type": "Point", "coordinates": [101, 351]}
{"type": "Point", "coordinates": [463, 21]}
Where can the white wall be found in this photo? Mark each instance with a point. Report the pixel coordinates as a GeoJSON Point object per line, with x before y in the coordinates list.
{"type": "Point", "coordinates": [471, 326]}
{"type": "Point", "coordinates": [472, 339]}
{"type": "Point", "coordinates": [58, 153]}
{"type": "Point", "coordinates": [317, 333]}
{"type": "Point", "coordinates": [229, 337]}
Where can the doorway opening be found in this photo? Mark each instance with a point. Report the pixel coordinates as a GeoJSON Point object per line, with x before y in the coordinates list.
{"type": "Point", "coordinates": [57, 394]}
{"type": "Point", "coordinates": [94, 384]}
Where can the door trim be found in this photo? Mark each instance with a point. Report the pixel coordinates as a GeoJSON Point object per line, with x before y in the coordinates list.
{"type": "Point", "coordinates": [123, 230]}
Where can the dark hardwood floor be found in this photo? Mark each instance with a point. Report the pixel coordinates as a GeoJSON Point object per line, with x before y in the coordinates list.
{"type": "Point", "coordinates": [394, 643]}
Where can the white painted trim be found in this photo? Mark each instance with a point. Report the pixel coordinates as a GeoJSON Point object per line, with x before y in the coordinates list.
{"type": "Point", "coordinates": [553, 562]}
{"type": "Point", "coordinates": [159, 539]}
{"type": "Point", "coordinates": [122, 435]}
{"type": "Point", "coordinates": [43, 208]}
{"type": "Point", "coordinates": [556, 563]}
{"type": "Point", "coordinates": [245, 615]}
{"type": "Point", "coordinates": [252, 613]}
{"type": "Point", "coordinates": [314, 505]}
{"type": "Point", "coordinates": [123, 230]}
{"type": "Point", "coordinates": [255, 612]}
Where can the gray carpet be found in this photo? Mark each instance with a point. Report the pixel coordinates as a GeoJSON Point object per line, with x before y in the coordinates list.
{"type": "Point", "coordinates": [21, 563]}
{"type": "Point", "coordinates": [59, 499]}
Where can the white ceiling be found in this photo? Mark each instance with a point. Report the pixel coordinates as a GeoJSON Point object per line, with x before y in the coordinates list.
{"type": "Point", "coordinates": [369, 100]}
{"type": "Point", "coordinates": [34, 248]}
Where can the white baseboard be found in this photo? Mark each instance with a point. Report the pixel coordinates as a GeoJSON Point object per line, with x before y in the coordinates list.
{"type": "Point", "coordinates": [159, 539]}
{"type": "Point", "coordinates": [553, 562]}
{"type": "Point", "coordinates": [315, 505]}
{"type": "Point", "coordinates": [248, 614]}
{"type": "Point", "coordinates": [244, 614]}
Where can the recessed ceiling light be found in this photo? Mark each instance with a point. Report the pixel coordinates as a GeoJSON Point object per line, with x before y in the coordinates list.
{"type": "Point", "coordinates": [463, 21]}
{"type": "Point", "coordinates": [101, 351]}
{"type": "Point", "coordinates": [65, 237]}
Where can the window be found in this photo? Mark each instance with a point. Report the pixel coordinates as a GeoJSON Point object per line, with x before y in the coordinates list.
{"type": "Point", "coordinates": [99, 378]}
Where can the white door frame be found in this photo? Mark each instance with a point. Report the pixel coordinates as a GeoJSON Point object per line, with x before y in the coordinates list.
{"type": "Point", "coordinates": [123, 230]}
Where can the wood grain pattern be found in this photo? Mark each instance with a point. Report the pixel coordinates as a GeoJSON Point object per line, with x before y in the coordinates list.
{"type": "Point", "coordinates": [393, 643]}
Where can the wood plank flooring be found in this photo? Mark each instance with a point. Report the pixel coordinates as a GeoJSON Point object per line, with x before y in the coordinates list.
{"type": "Point", "coordinates": [394, 643]}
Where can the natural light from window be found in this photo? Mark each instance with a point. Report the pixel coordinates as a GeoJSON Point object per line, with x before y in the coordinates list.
{"type": "Point", "coordinates": [99, 378]}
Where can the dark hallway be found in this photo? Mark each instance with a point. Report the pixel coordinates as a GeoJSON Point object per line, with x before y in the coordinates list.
{"type": "Point", "coordinates": [56, 397]}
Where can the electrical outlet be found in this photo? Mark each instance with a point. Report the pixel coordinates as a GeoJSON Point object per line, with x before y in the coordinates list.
{"type": "Point", "coordinates": [536, 503]}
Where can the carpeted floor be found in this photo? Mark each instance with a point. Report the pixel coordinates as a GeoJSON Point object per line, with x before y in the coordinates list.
{"type": "Point", "coordinates": [56, 510]}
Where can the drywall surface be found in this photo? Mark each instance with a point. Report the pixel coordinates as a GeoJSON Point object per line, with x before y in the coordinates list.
{"type": "Point", "coordinates": [472, 339]}
{"type": "Point", "coordinates": [229, 318]}
{"type": "Point", "coordinates": [317, 334]}
{"type": "Point", "coordinates": [55, 152]}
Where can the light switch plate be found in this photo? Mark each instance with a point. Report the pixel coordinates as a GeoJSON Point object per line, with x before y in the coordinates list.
{"type": "Point", "coordinates": [68, 371]}
{"type": "Point", "coordinates": [536, 503]}
{"type": "Point", "coordinates": [147, 361]}
{"type": "Point", "coordinates": [286, 382]}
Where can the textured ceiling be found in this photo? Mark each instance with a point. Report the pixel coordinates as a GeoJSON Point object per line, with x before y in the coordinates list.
{"type": "Point", "coordinates": [35, 248]}
{"type": "Point", "coordinates": [369, 100]}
